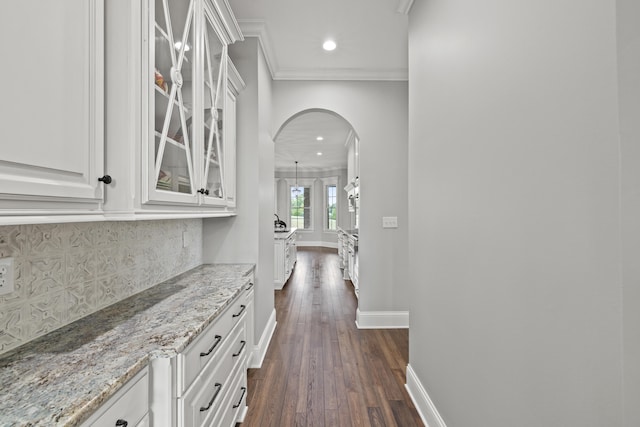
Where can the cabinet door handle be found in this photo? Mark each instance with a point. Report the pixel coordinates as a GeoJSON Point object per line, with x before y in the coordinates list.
{"type": "Point", "coordinates": [203, 191]}
{"type": "Point", "coordinates": [218, 387]}
{"type": "Point", "coordinates": [107, 180]}
{"type": "Point", "coordinates": [242, 307]}
{"type": "Point", "coordinates": [241, 348]}
{"type": "Point", "coordinates": [215, 344]}
{"type": "Point", "coordinates": [244, 390]}
{"type": "Point", "coordinates": [249, 286]}
{"type": "Point", "coordinates": [122, 423]}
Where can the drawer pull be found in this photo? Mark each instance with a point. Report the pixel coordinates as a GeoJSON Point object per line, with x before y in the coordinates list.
{"type": "Point", "coordinates": [121, 423]}
{"type": "Point", "coordinates": [244, 390]}
{"type": "Point", "coordinates": [215, 344]}
{"type": "Point", "coordinates": [241, 348]}
{"type": "Point", "coordinates": [249, 286]}
{"type": "Point", "coordinates": [218, 387]}
{"type": "Point", "coordinates": [242, 307]}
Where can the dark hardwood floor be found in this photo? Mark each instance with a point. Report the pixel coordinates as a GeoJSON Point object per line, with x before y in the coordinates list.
{"type": "Point", "coordinates": [320, 370]}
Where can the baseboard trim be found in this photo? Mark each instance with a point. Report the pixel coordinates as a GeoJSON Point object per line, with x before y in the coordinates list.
{"type": "Point", "coordinates": [382, 319]}
{"type": "Point", "coordinates": [423, 403]}
{"type": "Point", "coordinates": [332, 245]}
{"type": "Point", "coordinates": [260, 351]}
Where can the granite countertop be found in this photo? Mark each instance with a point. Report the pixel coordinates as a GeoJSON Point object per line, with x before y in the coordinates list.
{"type": "Point", "coordinates": [283, 235]}
{"type": "Point", "coordinates": [353, 233]}
{"type": "Point", "coordinates": [61, 378]}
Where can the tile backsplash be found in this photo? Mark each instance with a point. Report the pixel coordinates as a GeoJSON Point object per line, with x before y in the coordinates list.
{"type": "Point", "coordinates": [66, 271]}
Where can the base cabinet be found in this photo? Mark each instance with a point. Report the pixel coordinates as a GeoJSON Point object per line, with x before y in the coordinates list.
{"type": "Point", "coordinates": [285, 256]}
{"type": "Point", "coordinates": [129, 406]}
{"type": "Point", "coordinates": [205, 385]}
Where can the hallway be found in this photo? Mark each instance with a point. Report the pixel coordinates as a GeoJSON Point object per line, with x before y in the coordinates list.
{"type": "Point", "coordinates": [320, 370]}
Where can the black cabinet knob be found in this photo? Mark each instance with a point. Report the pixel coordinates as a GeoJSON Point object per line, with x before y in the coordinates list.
{"type": "Point", "coordinates": [203, 191]}
{"type": "Point", "coordinates": [106, 179]}
{"type": "Point", "coordinates": [121, 423]}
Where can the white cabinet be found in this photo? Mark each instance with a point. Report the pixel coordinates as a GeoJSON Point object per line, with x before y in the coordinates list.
{"type": "Point", "coordinates": [285, 256]}
{"type": "Point", "coordinates": [52, 114]}
{"type": "Point", "coordinates": [348, 256]}
{"type": "Point", "coordinates": [128, 407]}
{"type": "Point", "coordinates": [171, 110]}
{"type": "Point", "coordinates": [205, 385]}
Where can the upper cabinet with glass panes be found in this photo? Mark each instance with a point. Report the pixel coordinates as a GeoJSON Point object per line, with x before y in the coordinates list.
{"type": "Point", "coordinates": [184, 145]}
{"type": "Point", "coordinates": [189, 101]}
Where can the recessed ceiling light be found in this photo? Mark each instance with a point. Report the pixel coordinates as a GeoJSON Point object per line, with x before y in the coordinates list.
{"type": "Point", "coordinates": [319, 153]}
{"type": "Point", "coordinates": [329, 45]}
{"type": "Point", "coordinates": [319, 138]}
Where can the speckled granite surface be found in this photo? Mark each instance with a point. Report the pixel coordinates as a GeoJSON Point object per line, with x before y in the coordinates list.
{"type": "Point", "coordinates": [61, 378]}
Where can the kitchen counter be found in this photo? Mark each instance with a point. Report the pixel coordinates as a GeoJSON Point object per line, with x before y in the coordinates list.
{"type": "Point", "coordinates": [352, 233]}
{"type": "Point", "coordinates": [61, 378]}
{"type": "Point", "coordinates": [283, 235]}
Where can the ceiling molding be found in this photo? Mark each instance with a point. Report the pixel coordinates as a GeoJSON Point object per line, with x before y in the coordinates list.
{"type": "Point", "coordinates": [258, 28]}
{"type": "Point", "coordinates": [343, 74]}
{"type": "Point", "coordinates": [404, 6]}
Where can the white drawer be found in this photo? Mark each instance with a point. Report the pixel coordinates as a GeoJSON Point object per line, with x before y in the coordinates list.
{"type": "Point", "coordinates": [208, 344]}
{"type": "Point", "coordinates": [130, 404]}
{"type": "Point", "coordinates": [235, 401]}
{"type": "Point", "coordinates": [202, 401]}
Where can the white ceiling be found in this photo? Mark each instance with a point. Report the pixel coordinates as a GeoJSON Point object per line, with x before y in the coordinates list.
{"type": "Point", "coordinates": [372, 45]}
{"type": "Point", "coordinates": [297, 141]}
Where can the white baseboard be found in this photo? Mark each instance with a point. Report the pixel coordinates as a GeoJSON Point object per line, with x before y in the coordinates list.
{"type": "Point", "coordinates": [382, 319]}
{"type": "Point", "coordinates": [260, 351]}
{"type": "Point", "coordinates": [422, 401]}
{"type": "Point", "coordinates": [333, 245]}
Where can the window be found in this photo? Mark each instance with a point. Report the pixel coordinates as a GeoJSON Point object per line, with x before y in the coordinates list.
{"type": "Point", "coordinates": [301, 207]}
{"type": "Point", "coordinates": [331, 211]}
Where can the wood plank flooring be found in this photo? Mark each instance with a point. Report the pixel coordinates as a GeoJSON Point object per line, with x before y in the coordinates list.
{"type": "Point", "coordinates": [320, 370]}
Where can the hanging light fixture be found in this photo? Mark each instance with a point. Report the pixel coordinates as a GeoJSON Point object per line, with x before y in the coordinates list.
{"type": "Point", "coordinates": [297, 189]}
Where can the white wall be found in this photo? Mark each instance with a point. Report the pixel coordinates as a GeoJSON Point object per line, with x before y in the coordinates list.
{"type": "Point", "coordinates": [378, 113]}
{"type": "Point", "coordinates": [248, 237]}
{"type": "Point", "coordinates": [629, 104]}
{"type": "Point", "coordinates": [514, 217]}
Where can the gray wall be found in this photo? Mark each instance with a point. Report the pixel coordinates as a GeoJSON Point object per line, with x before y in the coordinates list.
{"type": "Point", "coordinates": [629, 104]}
{"type": "Point", "coordinates": [516, 308]}
{"type": "Point", "coordinates": [317, 237]}
{"type": "Point", "coordinates": [248, 237]}
{"type": "Point", "coordinates": [378, 113]}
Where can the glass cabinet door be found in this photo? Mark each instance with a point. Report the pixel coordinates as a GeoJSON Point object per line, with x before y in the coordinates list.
{"type": "Point", "coordinates": [173, 165]}
{"type": "Point", "coordinates": [214, 87]}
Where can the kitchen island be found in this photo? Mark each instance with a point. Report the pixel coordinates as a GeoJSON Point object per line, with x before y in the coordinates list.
{"type": "Point", "coordinates": [62, 378]}
{"type": "Point", "coordinates": [284, 256]}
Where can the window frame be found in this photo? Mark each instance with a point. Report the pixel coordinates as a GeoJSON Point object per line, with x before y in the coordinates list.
{"type": "Point", "coordinates": [304, 182]}
{"type": "Point", "coordinates": [327, 182]}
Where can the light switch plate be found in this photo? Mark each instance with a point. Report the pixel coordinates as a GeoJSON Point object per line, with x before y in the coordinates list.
{"type": "Point", "coordinates": [6, 276]}
{"type": "Point", "coordinates": [389, 222]}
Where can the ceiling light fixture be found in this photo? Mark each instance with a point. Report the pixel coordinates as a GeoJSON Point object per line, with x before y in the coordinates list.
{"type": "Point", "coordinates": [319, 153]}
{"type": "Point", "coordinates": [319, 138]}
{"type": "Point", "coordinates": [296, 190]}
{"type": "Point", "coordinates": [329, 45]}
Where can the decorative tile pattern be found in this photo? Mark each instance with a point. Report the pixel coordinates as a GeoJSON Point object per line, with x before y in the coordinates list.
{"type": "Point", "coordinates": [64, 272]}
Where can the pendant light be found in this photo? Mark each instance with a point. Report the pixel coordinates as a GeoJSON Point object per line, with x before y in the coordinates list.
{"type": "Point", "coordinates": [297, 190]}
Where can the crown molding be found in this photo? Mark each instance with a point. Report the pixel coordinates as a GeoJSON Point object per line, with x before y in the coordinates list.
{"type": "Point", "coordinates": [404, 6]}
{"type": "Point", "coordinates": [258, 28]}
{"type": "Point", "coordinates": [342, 74]}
